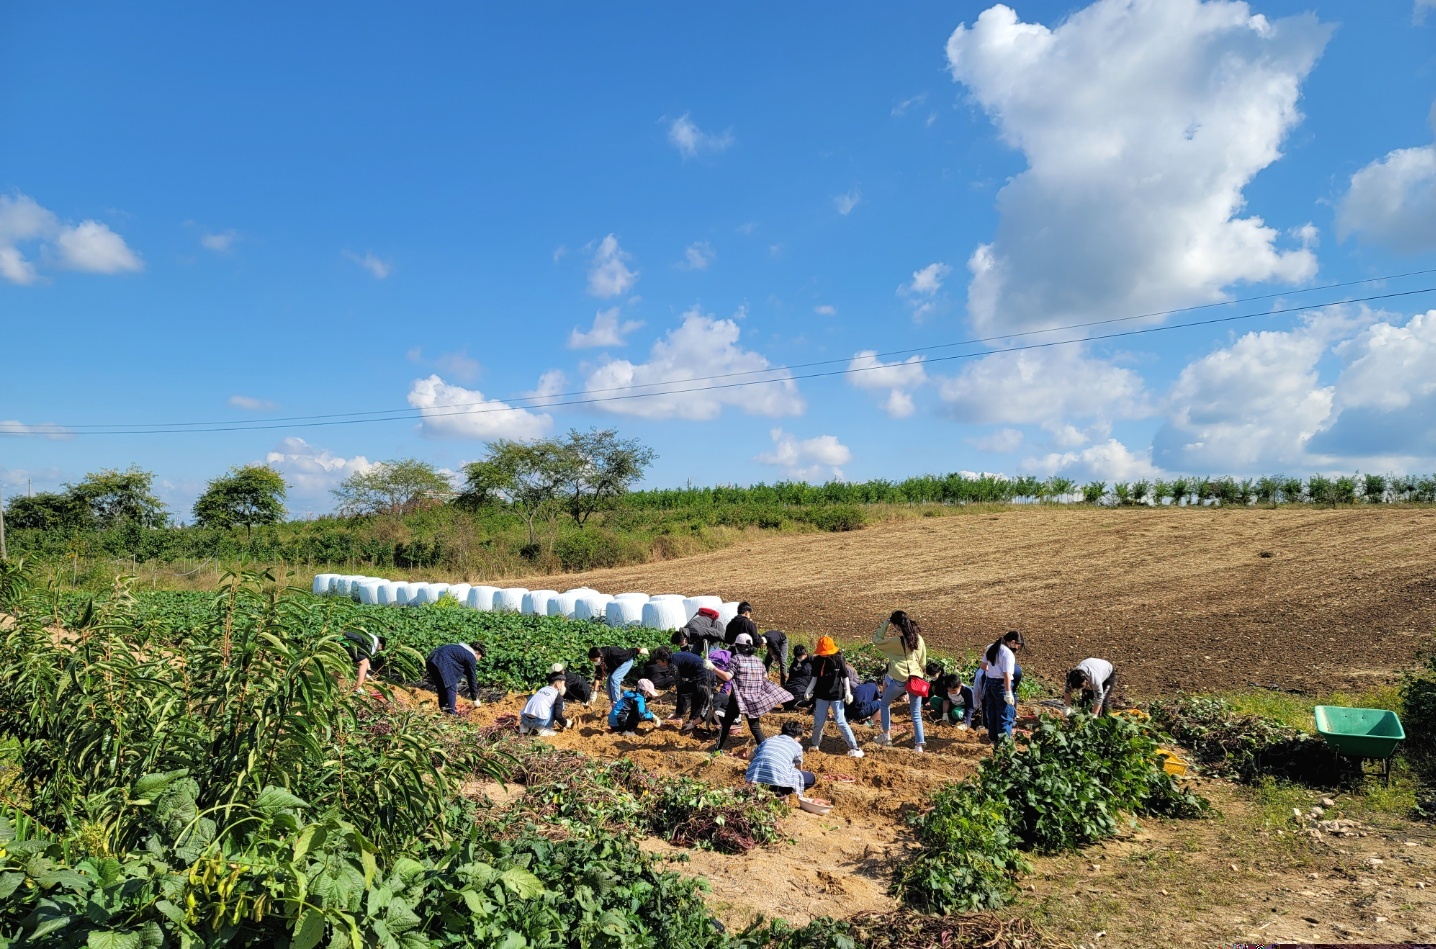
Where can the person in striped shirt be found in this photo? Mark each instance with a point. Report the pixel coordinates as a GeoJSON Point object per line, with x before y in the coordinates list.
{"type": "Point", "coordinates": [776, 763]}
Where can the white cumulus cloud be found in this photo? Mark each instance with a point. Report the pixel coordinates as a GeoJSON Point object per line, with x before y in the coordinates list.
{"type": "Point", "coordinates": [807, 459]}
{"type": "Point", "coordinates": [608, 330]}
{"type": "Point", "coordinates": [378, 267]}
{"type": "Point", "coordinates": [1141, 121]}
{"type": "Point", "coordinates": [1392, 201]}
{"type": "Point", "coordinates": [1044, 385]}
{"type": "Point", "coordinates": [251, 404]}
{"type": "Point", "coordinates": [1108, 461]}
{"type": "Point", "coordinates": [1000, 442]}
{"type": "Point", "coordinates": [608, 273]}
{"type": "Point", "coordinates": [312, 471]}
{"type": "Point", "coordinates": [867, 371]}
{"type": "Point", "coordinates": [691, 141]}
{"type": "Point", "coordinates": [450, 410]}
{"type": "Point", "coordinates": [89, 246]}
{"type": "Point", "coordinates": [220, 242]}
{"type": "Point", "coordinates": [702, 346]}
{"type": "Point", "coordinates": [922, 290]}
{"type": "Point", "coordinates": [48, 430]}
{"type": "Point", "coordinates": [825, 309]}
{"type": "Point", "coordinates": [698, 256]}
{"type": "Point", "coordinates": [848, 200]}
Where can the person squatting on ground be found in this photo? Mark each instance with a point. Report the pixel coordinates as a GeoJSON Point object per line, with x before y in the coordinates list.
{"type": "Point", "coordinates": [367, 652]}
{"type": "Point", "coordinates": [753, 695]}
{"type": "Point", "coordinates": [800, 673]}
{"type": "Point", "coordinates": [448, 667]}
{"type": "Point", "coordinates": [867, 699]}
{"type": "Point", "coordinates": [1094, 679]}
{"type": "Point", "coordinates": [775, 643]}
{"type": "Point", "coordinates": [830, 689]}
{"type": "Point", "coordinates": [999, 698]}
{"type": "Point", "coordinates": [703, 631]}
{"type": "Point", "coordinates": [543, 712]}
{"type": "Point", "coordinates": [907, 657]}
{"type": "Point", "coordinates": [632, 709]}
{"type": "Point", "coordinates": [777, 762]}
{"type": "Point", "coordinates": [949, 699]}
{"type": "Point", "coordinates": [613, 662]}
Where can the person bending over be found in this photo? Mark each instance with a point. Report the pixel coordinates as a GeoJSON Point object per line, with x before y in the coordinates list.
{"type": "Point", "coordinates": [867, 700]}
{"type": "Point", "coordinates": [543, 712]}
{"type": "Point", "coordinates": [775, 643]}
{"type": "Point", "coordinates": [1093, 679]}
{"type": "Point", "coordinates": [703, 631]}
{"type": "Point", "coordinates": [612, 663]}
{"type": "Point", "coordinates": [632, 709]}
{"type": "Point", "coordinates": [777, 763]}
{"type": "Point", "coordinates": [578, 689]}
{"type": "Point", "coordinates": [367, 652]}
{"type": "Point", "coordinates": [453, 665]}
{"type": "Point", "coordinates": [694, 683]}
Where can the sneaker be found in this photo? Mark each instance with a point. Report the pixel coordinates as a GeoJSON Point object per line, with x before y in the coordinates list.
{"type": "Point", "coordinates": [855, 753]}
{"type": "Point", "coordinates": [815, 748]}
{"type": "Point", "coordinates": [883, 738]}
{"type": "Point", "coordinates": [524, 729]}
{"type": "Point", "coordinates": [629, 734]}
{"type": "Point", "coordinates": [546, 733]}
{"type": "Point", "coordinates": [917, 749]}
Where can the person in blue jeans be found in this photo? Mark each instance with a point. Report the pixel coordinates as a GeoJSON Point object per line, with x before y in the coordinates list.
{"type": "Point", "coordinates": [907, 658]}
{"type": "Point", "coordinates": [999, 685]}
{"type": "Point", "coordinates": [448, 666]}
{"type": "Point", "coordinates": [613, 663]}
{"type": "Point", "coordinates": [827, 688]}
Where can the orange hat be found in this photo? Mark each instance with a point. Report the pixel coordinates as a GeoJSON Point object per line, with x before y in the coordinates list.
{"type": "Point", "coordinates": [826, 646]}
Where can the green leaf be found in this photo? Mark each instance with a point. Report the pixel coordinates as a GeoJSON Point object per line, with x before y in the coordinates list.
{"type": "Point", "coordinates": [274, 799]}
{"type": "Point", "coordinates": [312, 836]}
{"type": "Point", "coordinates": [113, 940]}
{"type": "Point", "coordinates": [308, 930]}
{"type": "Point", "coordinates": [151, 786]}
{"type": "Point", "coordinates": [523, 883]}
{"type": "Point", "coordinates": [9, 882]}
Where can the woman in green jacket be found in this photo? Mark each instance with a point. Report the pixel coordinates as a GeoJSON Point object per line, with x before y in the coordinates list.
{"type": "Point", "coordinates": [907, 657]}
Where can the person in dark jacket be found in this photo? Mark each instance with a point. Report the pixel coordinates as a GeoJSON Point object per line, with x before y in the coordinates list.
{"type": "Point", "coordinates": [661, 677]}
{"type": "Point", "coordinates": [740, 625]}
{"type": "Point", "coordinates": [828, 687]}
{"type": "Point", "coordinates": [703, 631]}
{"type": "Point", "coordinates": [613, 663]}
{"type": "Point", "coordinates": [576, 687]}
{"type": "Point", "coordinates": [367, 652]}
{"type": "Point", "coordinates": [776, 642]}
{"type": "Point", "coordinates": [800, 673]}
{"type": "Point", "coordinates": [866, 699]}
{"type": "Point", "coordinates": [451, 666]}
{"type": "Point", "coordinates": [694, 683]}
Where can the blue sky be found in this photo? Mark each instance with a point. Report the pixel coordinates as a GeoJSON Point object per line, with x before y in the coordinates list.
{"type": "Point", "coordinates": [246, 216]}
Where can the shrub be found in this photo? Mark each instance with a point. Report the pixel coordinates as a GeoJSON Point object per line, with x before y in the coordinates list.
{"type": "Point", "coordinates": [837, 518]}
{"type": "Point", "coordinates": [588, 549]}
{"type": "Point", "coordinates": [1418, 713]}
{"type": "Point", "coordinates": [968, 858]}
{"type": "Point", "coordinates": [1249, 747]}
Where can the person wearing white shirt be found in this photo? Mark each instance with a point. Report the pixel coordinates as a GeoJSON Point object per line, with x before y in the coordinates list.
{"type": "Point", "coordinates": [999, 703]}
{"type": "Point", "coordinates": [544, 709]}
{"type": "Point", "coordinates": [1094, 679]}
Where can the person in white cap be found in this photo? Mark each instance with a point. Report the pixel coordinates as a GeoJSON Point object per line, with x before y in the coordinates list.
{"type": "Point", "coordinates": [632, 708]}
{"type": "Point", "coordinates": [754, 694]}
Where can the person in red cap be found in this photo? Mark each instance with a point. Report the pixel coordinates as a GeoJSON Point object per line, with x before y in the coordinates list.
{"type": "Point", "coordinates": [703, 631]}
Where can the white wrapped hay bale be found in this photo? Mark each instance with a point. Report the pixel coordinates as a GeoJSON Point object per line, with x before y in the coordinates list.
{"type": "Point", "coordinates": [580, 591]}
{"type": "Point", "coordinates": [321, 583]}
{"type": "Point", "coordinates": [339, 585]}
{"type": "Point", "coordinates": [678, 597]}
{"type": "Point", "coordinates": [635, 597]}
{"type": "Point", "coordinates": [356, 583]}
{"type": "Point", "coordinates": [726, 612]}
{"type": "Point", "coordinates": [369, 592]}
{"type": "Point", "coordinates": [510, 600]}
{"type": "Point", "coordinates": [460, 592]}
{"type": "Point", "coordinates": [481, 598]}
{"type": "Point", "coordinates": [692, 604]}
{"type": "Point", "coordinates": [388, 593]}
{"type": "Point", "coordinates": [403, 593]}
{"type": "Point", "coordinates": [536, 602]}
{"type": "Point", "coordinates": [620, 612]}
{"type": "Point", "coordinates": [436, 592]}
{"type": "Point", "coordinates": [419, 594]}
{"type": "Point", "coordinates": [664, 614]}
{"type": "Point", "coordinates": [592, 606]}
{"type": "Point", "coordinates": [562, 604]}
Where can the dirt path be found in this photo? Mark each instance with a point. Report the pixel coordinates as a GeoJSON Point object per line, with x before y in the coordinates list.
{"type": "Point", "coordinates": [1198, 599]}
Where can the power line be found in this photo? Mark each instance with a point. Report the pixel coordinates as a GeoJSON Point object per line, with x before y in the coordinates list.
{"type": "Point", "coordinates": [410, 412]}
{"type": "Point", "coordinates": [559, 400]}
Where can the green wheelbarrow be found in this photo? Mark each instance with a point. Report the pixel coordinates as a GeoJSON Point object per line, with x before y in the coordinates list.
{"type": "Point", "coordinates": [1361, 733]}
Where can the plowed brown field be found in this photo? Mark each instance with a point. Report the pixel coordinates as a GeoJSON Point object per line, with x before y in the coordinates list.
{"type": "Point", "coordinates": [1200, 599]}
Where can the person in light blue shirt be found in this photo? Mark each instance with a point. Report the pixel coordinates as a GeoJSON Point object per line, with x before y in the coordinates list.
{"type": "Point", "coordinates": [776, 762]}
{"type": "Point", "coordinates": [631, 709]}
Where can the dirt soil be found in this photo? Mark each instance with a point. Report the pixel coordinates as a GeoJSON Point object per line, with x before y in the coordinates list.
{"type": "Point", "coordinates": [1197, 599]}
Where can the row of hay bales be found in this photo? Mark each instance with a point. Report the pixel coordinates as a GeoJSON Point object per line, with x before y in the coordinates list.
{"type": "Point", "coordinates": [664, 611]}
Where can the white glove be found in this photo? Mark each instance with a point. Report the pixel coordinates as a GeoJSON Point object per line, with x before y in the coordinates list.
{"type": "Point", "coordinates": [1067, 710]}
{"type": "Point", "coordinates": [643, 652]}
{"type": "Point", "coordinates": [568, 723]}
{"type": "Point", "coordinates": [708, 664]}
{"type": "Point", "coordinates": [1009, 698]}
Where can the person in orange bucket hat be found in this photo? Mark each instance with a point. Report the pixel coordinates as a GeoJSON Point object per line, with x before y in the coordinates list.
{"type": "Point", "coordinates": [831, 688]}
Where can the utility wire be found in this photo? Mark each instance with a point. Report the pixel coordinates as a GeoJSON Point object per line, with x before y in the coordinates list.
{"type": "Point", "coordinates": [561, 400]}
{"type": "Point", "coordinates": [410, 412]}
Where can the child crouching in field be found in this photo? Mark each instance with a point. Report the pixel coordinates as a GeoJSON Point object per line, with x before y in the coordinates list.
{"type": "Point", "coordinates": [632, 709]}
{"type": "Point", "coordinates": [949, 699]}
{"type": "Point", "coordinates": [544, 711]}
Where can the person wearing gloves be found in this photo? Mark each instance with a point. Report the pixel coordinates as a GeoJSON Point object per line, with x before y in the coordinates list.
{"type": "Point", "coordinates": [800, 673]}
{"type": "Point", "coordinates": [367, 652]}
{"type": "Point", "coordinates": [450, 666]}
{"type": "Point", "coordinates": [544, 710]}
{"type": "Point", "coordinates": [741, 625]}
{"type": "Point", "coordinates": [829, 688]}
{"type": "Point", "coordinates": [703, 631]}
{"type": "Point", "coordinates": [999, 698]}
{"type": "Point", "coordinates": [694, 683]}
{"type": "Point", "coordinates": [579, 689]}
{"type": "Point", "coordinates": [1094, 679]}
{"type": "Point", "coordinates": [907, 658]}
{"type": "Point", "coordinates": [632, 709]}
{"type": "Point", "coordinates": [777, 762]}
{"type": "Point", "coordinates": [949, 698]}
{"type": "Point", "coordinates": [613, 662]}
{"type": "Point", "coordinates": [753, 694]}
{"type": "Point", "coordinates": [776, 650]}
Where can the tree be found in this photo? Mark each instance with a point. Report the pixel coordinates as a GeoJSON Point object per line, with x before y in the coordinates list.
{"type": "Point", "coordinates": [392, 487]}
{"type": "Point", "coordinates": [116, 497]}
{"type": "Point", "coordinates": [247, 495]}
{"type": "Point", "coordinates": [48, 511]}
{"type": "Point", "coordinates": [526, 475]}
{"type": "Point", "coordinates": [599, 468]}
